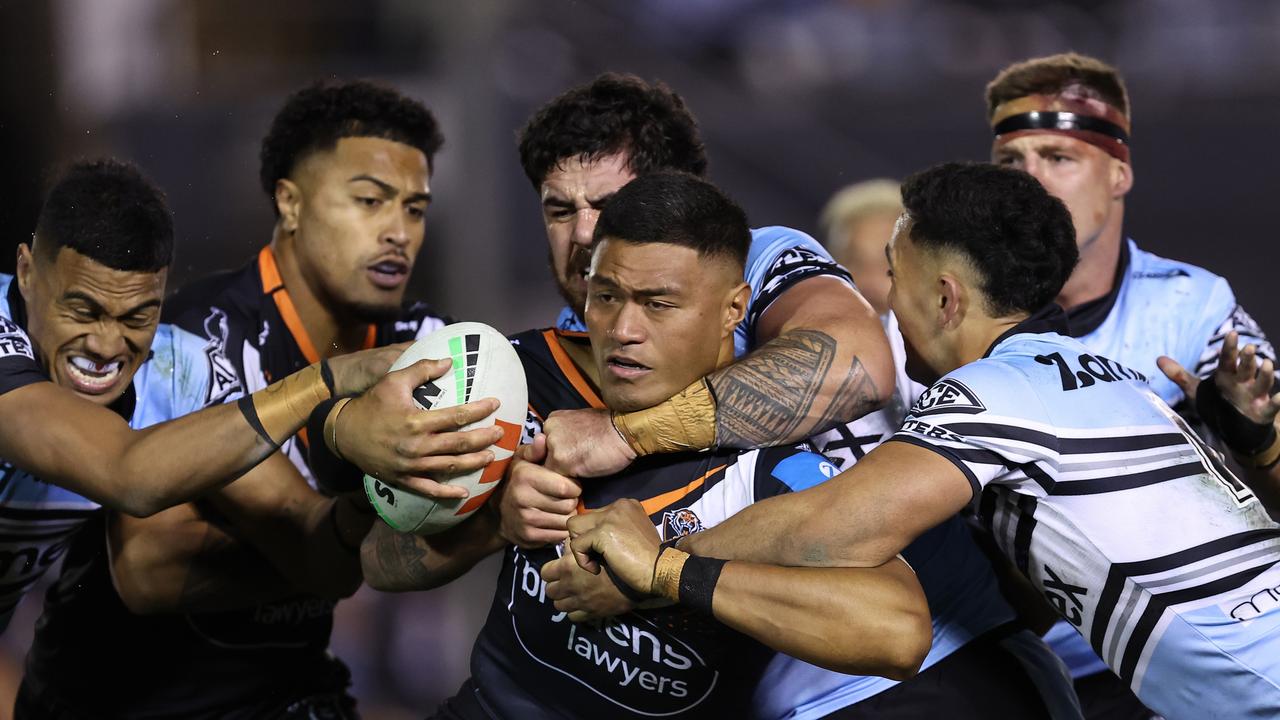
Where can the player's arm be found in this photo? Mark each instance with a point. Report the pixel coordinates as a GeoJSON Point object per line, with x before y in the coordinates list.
{"type": "Point", "coordinates": [860, 518]}
{"type": "Point", "coordinates": [178, 561]}
{"type": "Point", "coordinates": [866, 621]}
{"type": "Point", "coordinates": [1240, 403]}
{"type": "Point", "coordinates": [399, 562]}
{"type": "Point", "coordinates": [92, 451]}
{"type": "Point", "coordinates": [822, 360]}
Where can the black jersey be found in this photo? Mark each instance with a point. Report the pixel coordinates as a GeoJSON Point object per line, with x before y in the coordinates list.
{"type": "Point", "coordinates": [530, 661]}
{"type": "Point", "coordinates": [238, 664]}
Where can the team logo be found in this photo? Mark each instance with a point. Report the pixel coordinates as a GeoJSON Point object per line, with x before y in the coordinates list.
{"type": "Point", "coordinates": [223, 379]}
{"type": "Point", "coordinates": [13, 341]}
{"type": "Point", "coordinates": [948, 395]}
{"type": "Point", "coordinates": [680, 523]}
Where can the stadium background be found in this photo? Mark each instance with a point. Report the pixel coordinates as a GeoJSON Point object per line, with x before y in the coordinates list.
{"type": "Point", "coordinates": [795, 97]}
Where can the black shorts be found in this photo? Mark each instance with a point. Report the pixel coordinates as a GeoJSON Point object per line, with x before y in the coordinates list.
{"type": "Point", "coordinates": [1104, 696]}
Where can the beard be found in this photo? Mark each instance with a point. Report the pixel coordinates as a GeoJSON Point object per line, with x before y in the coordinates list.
{"type": "Point", "coordinates": [579, 259]}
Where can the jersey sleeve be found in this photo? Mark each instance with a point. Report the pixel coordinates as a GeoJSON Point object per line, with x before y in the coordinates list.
{"type": "Point", "coordinates": [793, 468]}
{"type": "Point", "coordinates": [779, 258]}
{"type": "Point", "coordinates": [18, 366]}
{"type": "Point", "coordinates": [986, 419]}
{"type": "Point", "coordinates": [1224, 315]}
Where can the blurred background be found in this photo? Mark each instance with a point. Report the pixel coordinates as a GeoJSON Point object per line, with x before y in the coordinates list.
{"type": "Point", "coordinates": [796, 99]}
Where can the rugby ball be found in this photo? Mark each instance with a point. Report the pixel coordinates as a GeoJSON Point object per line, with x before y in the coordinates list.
{"type": "Point", "coordinates": [484, 365]}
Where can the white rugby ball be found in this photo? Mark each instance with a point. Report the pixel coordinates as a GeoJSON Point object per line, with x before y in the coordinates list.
{"type": "Point", "coordinates": [484, 365]}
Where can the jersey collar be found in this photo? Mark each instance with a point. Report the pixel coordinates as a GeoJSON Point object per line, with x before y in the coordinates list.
{"type": "Point", "coordinates": [273, 287]}
{"type": "Point", "coordinates": [1048, 319]}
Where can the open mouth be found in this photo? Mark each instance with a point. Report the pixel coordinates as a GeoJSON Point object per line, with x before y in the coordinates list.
{"type": "Point", "coordinates": [389, 274]}
{"type": "Point", "coordinates": [92, 377]}
{"type": "Point", "coordinates": [625, 367]}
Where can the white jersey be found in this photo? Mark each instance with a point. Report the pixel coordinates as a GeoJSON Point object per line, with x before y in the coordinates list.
{"type": "Point", "coordinates": [1128, 524]}
{"type": "Point", "coordinates": [37, 519]}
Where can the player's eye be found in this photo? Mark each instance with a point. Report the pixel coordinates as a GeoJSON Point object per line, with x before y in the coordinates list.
{"type": "Point", "coordinates": [417, 211]}
{"type": "Point", "coordinates": [1009, 161]}
{"type": "Point", "coordinates": [137, 321]}
{"type": "Point", "coordinates": [604, 297]}
{"type": "Point", "coordinates": [656, 305]}
{"type": "Point", "coordinates": [369, 202]}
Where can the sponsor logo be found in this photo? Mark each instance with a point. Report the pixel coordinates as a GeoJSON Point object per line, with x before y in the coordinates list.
{"type": "Point", "coordinates": [1064, 596]}
{"type": "Point", "coordinates": [928, 430]}
{"type": "Point", "coordinates": [223, 380]}
{"type": "Point", "coordinates": [21, 561]}
{"type": "Point", "coordinates": [791, 265]}
{"type": "Point", "coordinates": [13, 341]}
{"type": "Point", "coordinates": [627, 660]}
{"type": "Point", "coordinates": [950, 396]}
{"type": "Point", "coordinates": [1256, 604]}
{"type": "Point", "coordinates": [679, 523]}
{"type": "Point", "coordinates": [1160, 274]}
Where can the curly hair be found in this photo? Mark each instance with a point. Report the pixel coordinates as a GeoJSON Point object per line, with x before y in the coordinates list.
{"type": "Point", "coordinates": [316, 117]}
{"type": "Point", "coordinates": [108, 211]}
{"type": "Point", "coordinates": [613, 113]}
{"type": "Point", "coordinates": [677, 208]}
{"type": "Point", "coordinates": [1055, 73]}
{"type": "Point", "coordinates": [1016, 235]}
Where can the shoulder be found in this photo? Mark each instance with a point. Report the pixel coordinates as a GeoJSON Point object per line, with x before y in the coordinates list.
{"type": "Point", "coordinates": [1182, 282]}
{"type": "Point", "coordinates": [201, 305]}
{"type": "Point", "coordinates": [177, 378]}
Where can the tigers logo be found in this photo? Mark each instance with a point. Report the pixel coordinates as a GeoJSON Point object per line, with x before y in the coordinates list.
{"type": "Point", "coordinates": [681, 522]}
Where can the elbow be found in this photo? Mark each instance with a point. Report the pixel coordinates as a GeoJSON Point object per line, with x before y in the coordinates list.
{"type": "Point", "coordinates": [141, 504]}
{"type": "Point", "coordinates": [141, 597]}
{"type": "Point", "coordinates": [913, 640]}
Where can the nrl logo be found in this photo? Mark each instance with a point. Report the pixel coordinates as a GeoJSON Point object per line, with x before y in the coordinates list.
{"type": "Point", "coordinates": [680, 523]}
{"type": "Point", "coordinates": [950, 396]}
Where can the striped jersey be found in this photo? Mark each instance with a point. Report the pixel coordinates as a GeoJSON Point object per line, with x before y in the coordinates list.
{"type": "Point", "coordinates": [779, 257]}
{"type": "Point", "coordinates": [37, 519]}
{"type": "Point", "coordinates": [1120, 515]}
{"type": "Point", "coordinates": [530, 661]}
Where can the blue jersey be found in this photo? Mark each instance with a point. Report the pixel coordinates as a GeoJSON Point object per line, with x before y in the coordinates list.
{"type": "Point", "coordinates": [1058, 443]}
{"type": "Point", "coordinates": [779, 258]}
{"type": "Point", "coordinates": [37, 519]}
{"type": "Point", "coordinates": [1156, 307]}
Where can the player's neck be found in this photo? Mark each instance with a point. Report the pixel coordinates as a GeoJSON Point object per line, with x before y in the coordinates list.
{"type": "Point", "coordinates": [1095, 275]}
{"type": "Point", "coordinates": [330, 333]}
{"type": "Point", "coordinates": [579, 351]}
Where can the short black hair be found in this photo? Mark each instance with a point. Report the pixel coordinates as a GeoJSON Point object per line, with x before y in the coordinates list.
{"type": "Point", "coordinates": [1016, 235]}
{"type": "Point", "coordinates": [108, 211]}
{"type": "Point", "coordinates": [611, 114]}
{"type": "Point", "coordinates": [677, 208]}
{"type": "Point", "coordinates": [316, 117]}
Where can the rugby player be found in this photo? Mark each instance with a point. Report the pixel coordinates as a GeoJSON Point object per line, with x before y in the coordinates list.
{"type": "Point", "coordinates": [88, 291]}
{"type": "Point", "coordinates": [857, 222]}
{"type": "Point", "coordinates": [1051, 442]}
{"type": "Point", "coordinates": [665, 296]}
{"type": "Point", "coordinates": [813, 354]}
{"type": "Point", "coordinates": [1065, 120]}
{"type": "Point", "coordinates": [974, 626]}
{"type": "Point", "coordinates": [232, 598]}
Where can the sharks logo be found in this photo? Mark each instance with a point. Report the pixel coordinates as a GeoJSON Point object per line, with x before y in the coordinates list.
{"type": "Point", "coordinates": [948, 395]}
{"type": "Point", "coordinates": [223, 379]}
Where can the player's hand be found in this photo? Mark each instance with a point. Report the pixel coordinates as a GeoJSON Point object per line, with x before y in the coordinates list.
{"type": "Point", "coordinates": [536, 503]}
{"type": "Point", "coordinates": [358, 371]}
{"type": "Point", "coordinates": [584, 443]}
{"type": "Point", "coordinates": [1243, 382]}
{"type": "Point", "coordinates": [623, 535]}
{"type": "Point", "coordinates": [585, 596]}
{"type": "Point", "coordinates": [395, 441]}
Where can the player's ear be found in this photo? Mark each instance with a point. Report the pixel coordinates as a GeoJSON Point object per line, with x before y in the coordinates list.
{"type": "Point", "coordinates": [25, 269]}
{"type": "Point", "coordinates": [736, 307]}
{"type": "Point", "coordinates": [953, 299]}
{"type": "Point", "coordinates": [1121, 178]}
{"type": "Point", "coordinates": [288, 204]}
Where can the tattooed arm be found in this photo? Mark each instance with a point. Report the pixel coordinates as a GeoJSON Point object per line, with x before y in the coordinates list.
{"type": "Point", "coordinates": [822, 360]}
{"type": "Point", "coordinates": [398, 562]}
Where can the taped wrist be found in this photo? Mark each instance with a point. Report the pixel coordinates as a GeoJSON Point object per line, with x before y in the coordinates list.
{"type": "Point", "coordinates": [1254, 441]}
{"type": "Point", "coordinates": [688, 579]}
{"type": "Point", "coordinates": [282, 408]}
{"type": "Point", "coordinates": [685, 422]}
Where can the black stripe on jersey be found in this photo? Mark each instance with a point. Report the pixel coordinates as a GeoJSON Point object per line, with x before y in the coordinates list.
{"type": "Point", "coordinates": [947, 453]}
{"type": "Point", "coordinates": [1085, 446]}
{"type": "Point", "coordinates": [21, 585]}
{"type": "Point", "coordinates": [1022, 534]}
{"type": "Point", "coordinates": [45, 513]}
{"type": "Point", "coordinates": [1161, 602]}
{"type": "Point", "coordinates": [1116, 483]}
{"type": "Point", "coordinates": [1041, 478]}
{"type": "Point", "coordinates": [1007, 432]}
{"type": "Point", "coordinates": [1120, 572]}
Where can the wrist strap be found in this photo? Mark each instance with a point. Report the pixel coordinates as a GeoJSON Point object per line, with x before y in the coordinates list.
{"type": "Point", "coordinates": [698, 580]}
{"type": "Point", "coordinates": [283, 407]}
{"type": "Point", "coordinates": [685, 422]}
{"type": "Point", "coordinates": [1243, 436]}
{"type": "Point", "coordinates": [331, 426]}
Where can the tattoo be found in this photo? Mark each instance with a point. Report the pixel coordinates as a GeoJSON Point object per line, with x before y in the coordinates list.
{"type": "Point", "coordinates": [400, 560]}
{"type": "Point", "coordinates": [767, 398]}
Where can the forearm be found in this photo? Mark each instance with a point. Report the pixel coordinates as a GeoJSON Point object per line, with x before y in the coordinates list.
{"type": "Point", "coordinates": [1265, 483]}
{"type": "Point", "coordinates": [400, 562]}
{"type": "Point", "coordinates": [860, 621]}
{"type": "Point", "coordinates": [182, 563]}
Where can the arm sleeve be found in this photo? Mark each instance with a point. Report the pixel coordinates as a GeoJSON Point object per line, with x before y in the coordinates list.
{"type": "Point", "coordinates": [1215, 333]}
{"type": "Point", "coordinates": [789, 469]}
{"type": "Point", "coordinates": [779, 258]}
